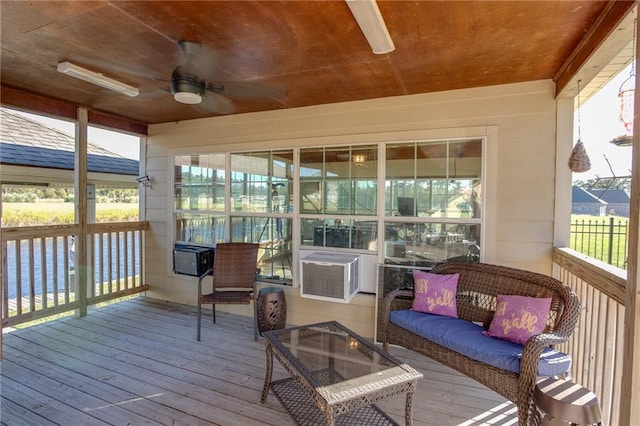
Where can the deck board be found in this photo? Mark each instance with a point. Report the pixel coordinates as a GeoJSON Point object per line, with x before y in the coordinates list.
{"type": "Point", "coordinates": [137, 362]}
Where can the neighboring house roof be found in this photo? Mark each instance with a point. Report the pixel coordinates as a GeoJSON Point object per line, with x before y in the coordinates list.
{"type": "Point", "coordinates": [581, 195]}
{"type": "Point", "coordinates": [24, 142]}
{"type": "Point", "coordinates": [611, 196]}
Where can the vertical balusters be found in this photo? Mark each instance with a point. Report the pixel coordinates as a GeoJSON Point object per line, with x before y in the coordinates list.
{"type": "Point", "coordinates": [65, 263]}
{"type": "Point", "coordinates": [32, 278]}
{"type": "Point", "coordinates": [4, 277]}
{"type": "Point", "coordinates": [133, 258]}
{"type": "Point", "coordinates": [43, 272]}
{"type": "Point", "coordinates": [125, 249]}
{"type": "Point", "coordinates": [117, 235]}
{"type": "Point", "coordinates": [110, 260]}
{"type": "Point", "coordinates": [38, 272]}
{"type": "Point", "coordinates": [55, 270]}
{"type": "Point", "coordinates": [101, 282]}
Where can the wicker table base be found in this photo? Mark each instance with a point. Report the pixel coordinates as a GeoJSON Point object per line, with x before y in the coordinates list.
{"type": "Point", "coordinates": [337, 376]}
{"type": "Point", "coordinates": [304, 412]}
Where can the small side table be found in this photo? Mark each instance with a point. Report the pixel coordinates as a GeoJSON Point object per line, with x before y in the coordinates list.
{"type": "Point", "coordinates": [562, 402]}
{"type": "Point", "coordinates": [272, 309]}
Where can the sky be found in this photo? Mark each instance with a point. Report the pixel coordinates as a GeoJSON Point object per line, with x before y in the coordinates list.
{"type": "Point", "coordinates": [599, 124]}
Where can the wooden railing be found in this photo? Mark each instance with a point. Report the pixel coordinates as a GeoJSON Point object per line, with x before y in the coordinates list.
{"type": "Point", "coordinates": [38, 270]}
{"type": "Point", "coordinates": [596, 346]}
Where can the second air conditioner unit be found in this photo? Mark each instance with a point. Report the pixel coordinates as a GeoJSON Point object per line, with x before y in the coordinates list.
{"type": "Point", "coordinates": [330, 276]}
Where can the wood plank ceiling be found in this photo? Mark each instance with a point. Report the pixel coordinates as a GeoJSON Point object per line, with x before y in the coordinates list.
{"type": "Point", "coordinates": [313, 50]}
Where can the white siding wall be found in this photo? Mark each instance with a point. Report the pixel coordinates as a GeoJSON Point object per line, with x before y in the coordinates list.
{"type": "Point", "coordinates": [519, 121]}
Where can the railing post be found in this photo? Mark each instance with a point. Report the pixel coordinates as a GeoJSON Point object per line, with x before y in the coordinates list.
{"type": "Point", "coordinates": [610, 254]}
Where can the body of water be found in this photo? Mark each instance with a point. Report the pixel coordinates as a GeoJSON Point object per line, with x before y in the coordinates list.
{"type": "Point", "coordinates": [50, 264]}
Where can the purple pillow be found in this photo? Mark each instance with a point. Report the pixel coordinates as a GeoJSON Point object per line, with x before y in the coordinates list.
{"type": "Point", "coordinates": [435, 293]}
{"type": "Point", "coordinates": [517, 318]}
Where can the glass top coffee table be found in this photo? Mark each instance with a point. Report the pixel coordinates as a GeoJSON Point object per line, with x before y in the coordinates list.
{"type": "Point", "coordinates": [336, 376]}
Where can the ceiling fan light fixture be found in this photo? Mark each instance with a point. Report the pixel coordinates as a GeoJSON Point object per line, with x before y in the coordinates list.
{"type": "Point", "coordinates": [187, 98]}
{"type": "Point", "coordinates": [187, 91]}
{"type": "Point", "coordinates": [97, 79]}
{"type": "Point", "coordinates": [372, 24]}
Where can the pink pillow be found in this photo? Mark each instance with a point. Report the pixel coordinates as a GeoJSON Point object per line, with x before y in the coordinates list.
{"type": "Point", "coordinates": [517, 318]}
{"type": "Point", "coordinates": [435, 293]}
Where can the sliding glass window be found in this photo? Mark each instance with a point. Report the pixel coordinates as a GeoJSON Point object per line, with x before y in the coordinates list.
{"type": "Point", "coordinates": [261, 211]}
{"type": "Point", "coordinates": [433, 201]}
{"type": "Point", "coordinates": [199, 194]}
{"type": "Point", "coordinates": [337, 202]}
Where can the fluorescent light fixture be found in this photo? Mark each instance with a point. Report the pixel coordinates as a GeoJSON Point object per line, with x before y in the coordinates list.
{"type": "Point", "coordinates": [97, 78]}
{"type": "Point", "coordinates": [372, 25]}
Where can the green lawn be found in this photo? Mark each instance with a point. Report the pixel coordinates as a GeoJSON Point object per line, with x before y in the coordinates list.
{"type": "Point", "coordinates": [601, 238]}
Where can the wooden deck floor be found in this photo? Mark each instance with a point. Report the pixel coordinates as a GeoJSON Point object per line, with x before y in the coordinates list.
{"type": "Point", "coordinates": [137, 362]}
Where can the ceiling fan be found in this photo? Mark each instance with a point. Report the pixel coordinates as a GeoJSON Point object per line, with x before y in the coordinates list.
{"type": "Point", "coordinates": [189, 86]}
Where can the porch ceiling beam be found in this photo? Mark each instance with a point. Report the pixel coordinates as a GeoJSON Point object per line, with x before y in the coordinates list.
{"type": "Point", "coordinates": [56, 108]}
{"type": "Point", "coordinates": [30, 102]}
{"type": "Point", "coordinates": [588, 58]}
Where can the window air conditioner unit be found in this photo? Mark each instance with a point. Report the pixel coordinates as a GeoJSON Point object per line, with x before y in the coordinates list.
{"type": "Point", "coordinates": [330, 276]}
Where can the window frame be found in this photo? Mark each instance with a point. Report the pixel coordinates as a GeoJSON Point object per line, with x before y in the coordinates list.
{"type": "Point", "coordinates": [487, 134]}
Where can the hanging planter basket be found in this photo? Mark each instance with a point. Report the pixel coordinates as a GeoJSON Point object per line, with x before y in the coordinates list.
{"type": "Point", "coordinates": [579, 160]}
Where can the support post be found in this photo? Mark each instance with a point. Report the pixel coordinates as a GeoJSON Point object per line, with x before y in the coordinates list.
{"type": "Point", "coordinates": [631, 356]}
{"type": "Point", "coordinates": [80, 196]}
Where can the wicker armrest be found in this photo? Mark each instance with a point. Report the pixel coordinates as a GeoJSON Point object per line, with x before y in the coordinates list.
{"type": "Point", "coordinates": [530, 359]}
{"type": "Point", "coordinates": [549, 339]}
{"type": "Point", "coordinates": [563, 329]}
{"type": "Point", "coordinates": [389, 298]}
{"type": "Point", "coordinates": [534, 347]}
{"type": "Point", "coordinates": [386, 309]}
{"type": "Point", "coordinates": [570, 313]}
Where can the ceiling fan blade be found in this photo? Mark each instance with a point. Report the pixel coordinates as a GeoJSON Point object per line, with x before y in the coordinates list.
{"type": "Point", "coordinates": [203, 60]}
{"type": "Point", "coordinates": [243, 90]}
{"type": "Point", "coordinates": [189, 49]}
{"type": "Point", "coordinates": [217, 103]}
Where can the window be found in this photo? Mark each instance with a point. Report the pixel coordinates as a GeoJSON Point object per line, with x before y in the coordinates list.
{"type": "Point", "coordinates": [338, 196]}
{"type": "Point", "coordinates": [424, 207]}
{"type": "Point", "coordinates": [432, 201]}
{"type": "Point", "coordinates": [199, 194]}
{"type": "Point", "coordinates": [262, 194]}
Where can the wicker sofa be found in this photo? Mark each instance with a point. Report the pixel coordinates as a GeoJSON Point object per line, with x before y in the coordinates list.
{"type": "Point", "coordinates": [478, 286]}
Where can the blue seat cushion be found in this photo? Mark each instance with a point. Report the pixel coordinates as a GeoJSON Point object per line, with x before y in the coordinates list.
{"type": "Point", "coordinates": [466, 338]}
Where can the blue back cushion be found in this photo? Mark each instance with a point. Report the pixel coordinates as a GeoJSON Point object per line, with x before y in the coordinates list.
{"type": "Point", "coordinates": [466, 338]}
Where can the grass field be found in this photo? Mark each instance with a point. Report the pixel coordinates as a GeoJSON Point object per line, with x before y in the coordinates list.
{"type": "Point", "coordinates": [602, 237]}
{"type": "Point", "coordinates": [34, 214]}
